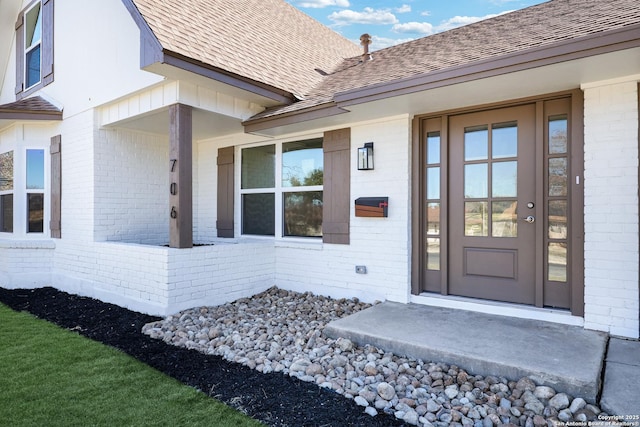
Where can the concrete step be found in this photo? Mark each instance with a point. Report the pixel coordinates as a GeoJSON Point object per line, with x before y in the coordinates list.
{"type": "Point", "coordinates": [567, 358]}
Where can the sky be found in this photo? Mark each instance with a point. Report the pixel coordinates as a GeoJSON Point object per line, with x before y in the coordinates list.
{"type": "Point", "coordinates": [390, 22]}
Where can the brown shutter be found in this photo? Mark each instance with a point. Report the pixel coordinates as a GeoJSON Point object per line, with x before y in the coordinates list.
{"type": "Point", "coordinates": [336, 186]}
{"type": "Point", "coordinates": [20, 54]}
{"type": "Point", "coordinates": [224, 224]}
{"type": "Point", "coordinates": [56, 187]}
{"type": "Point", "coordinates": [47, 42]}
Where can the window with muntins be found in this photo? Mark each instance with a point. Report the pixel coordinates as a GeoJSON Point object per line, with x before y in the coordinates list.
{"type": "Point", "coordinates": [34, 48]}
{"type": "Point", "coordinates": [282, 189]}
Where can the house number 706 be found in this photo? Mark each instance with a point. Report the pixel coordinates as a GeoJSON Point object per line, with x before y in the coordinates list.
{"type": "Point", "coordinates": [173, 189]}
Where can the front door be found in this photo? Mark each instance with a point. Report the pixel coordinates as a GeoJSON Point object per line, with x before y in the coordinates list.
{"type": "Point", "coordinates": [492, 212]}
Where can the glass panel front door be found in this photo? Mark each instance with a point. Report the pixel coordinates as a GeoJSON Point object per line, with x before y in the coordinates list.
{"type": "Point", "coordinates": [492, 205]}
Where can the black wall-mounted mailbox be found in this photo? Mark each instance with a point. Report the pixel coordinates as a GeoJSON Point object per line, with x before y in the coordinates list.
{"type": "Point", "coordinates": [372, 207]}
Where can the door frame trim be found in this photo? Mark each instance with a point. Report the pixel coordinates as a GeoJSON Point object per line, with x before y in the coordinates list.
{"type": "Point", "coordinates": [577, 202]}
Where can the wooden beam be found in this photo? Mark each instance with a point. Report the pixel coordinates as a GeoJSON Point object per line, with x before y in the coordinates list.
{"type": "Point", "coordinates": [181, 176]}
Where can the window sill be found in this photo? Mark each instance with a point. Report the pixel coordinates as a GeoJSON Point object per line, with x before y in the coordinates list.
{"type": "Point", "coordinates": [300, 243]}
{"type": "Point", "coordinates": [26, 244]}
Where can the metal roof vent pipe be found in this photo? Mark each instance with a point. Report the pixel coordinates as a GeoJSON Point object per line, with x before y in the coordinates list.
{"type": "Point", "coordinates": [365, 41]}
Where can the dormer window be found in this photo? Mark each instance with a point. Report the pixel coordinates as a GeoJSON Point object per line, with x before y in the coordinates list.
{"type": "Point", "coordinates": [34, 48]}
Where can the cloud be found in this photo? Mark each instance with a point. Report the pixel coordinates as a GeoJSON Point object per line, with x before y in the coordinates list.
{"type": "Point", "coordinates": [378, 43]}
{"type": "Point", "coordinates": [319, 4]}
{"type": "Point", "coordinates": [367, 16]}
{"type": "Point", "coordinates": [405, 8]}
{"type": "Point", "coordinates": [459, 21]}
{"type": "Point", "coordinates": [423, 28]}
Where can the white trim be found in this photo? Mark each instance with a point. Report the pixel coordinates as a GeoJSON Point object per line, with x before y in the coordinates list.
{"type": "Point", "coordinates": [499, 308]}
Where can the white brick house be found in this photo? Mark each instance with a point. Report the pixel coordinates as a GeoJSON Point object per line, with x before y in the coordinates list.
{"type": "Point", "coordinates": [199, 154]}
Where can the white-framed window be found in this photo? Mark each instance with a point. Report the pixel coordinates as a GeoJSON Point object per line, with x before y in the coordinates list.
{"type": "Point", "coordinates": [281, 189]}
{"type": "Point", "coordinates": [35, 190]}
{"type": "Point", "coordinates": [22, 191]}
{"type": "Point", "coordinates": [33, 45]}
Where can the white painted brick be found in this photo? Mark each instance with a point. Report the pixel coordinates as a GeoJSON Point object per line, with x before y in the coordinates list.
{"type": "Point", "coordinates": [611, 208]}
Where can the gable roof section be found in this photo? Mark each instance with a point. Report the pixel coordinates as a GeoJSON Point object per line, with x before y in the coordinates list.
{"type": "Point", "coordinates": [547, 33]}
{"type": "Point", "coordinates": [268, 43]}
{"type": "Point", "coordinates": [35, 108]}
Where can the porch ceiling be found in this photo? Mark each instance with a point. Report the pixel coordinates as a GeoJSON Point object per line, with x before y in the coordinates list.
{"type": "Point", "coordinates": [205, 124]}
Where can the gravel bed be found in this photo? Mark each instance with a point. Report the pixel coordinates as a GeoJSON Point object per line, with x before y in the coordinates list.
{"type": "Point", "coordinates": [281, 332]}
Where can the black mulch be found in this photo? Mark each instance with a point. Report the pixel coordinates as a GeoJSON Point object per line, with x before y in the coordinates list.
{"type": "Point", "coordinates": [274, 399]}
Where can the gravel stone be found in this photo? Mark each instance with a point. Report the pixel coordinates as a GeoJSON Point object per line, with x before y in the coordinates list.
{"type": "Point", "coordinates": [577, 404]}
{"type": "Point", "coordinates": [559, 401]}
{"type": "Point", "coordinates": [361, 401]}
{"type": "Point", "coordinates": [544, 392]}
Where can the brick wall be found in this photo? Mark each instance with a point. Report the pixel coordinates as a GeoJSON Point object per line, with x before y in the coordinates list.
{"type": "Point", "coordinates": [161, 280]}
{"type": "Point", "coordinates": [611, 208]}
{"type": "Point", "coordinates": [131, 187]}
{"type": "Point", "coordinates": [380, 244]}
{"type": "Point", "coordinates": [26, 263]}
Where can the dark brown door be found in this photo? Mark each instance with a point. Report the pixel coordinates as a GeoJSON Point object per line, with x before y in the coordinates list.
{"type": "Point", "coordinates": [492, 214]}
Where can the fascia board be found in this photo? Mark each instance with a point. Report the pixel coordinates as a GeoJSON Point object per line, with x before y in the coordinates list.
{"type": "Point", "coordinates": [595, 44]}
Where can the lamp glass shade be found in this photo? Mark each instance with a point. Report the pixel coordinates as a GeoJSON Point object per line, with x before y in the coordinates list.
{"type": "Point", "coordinates": [365, 157]}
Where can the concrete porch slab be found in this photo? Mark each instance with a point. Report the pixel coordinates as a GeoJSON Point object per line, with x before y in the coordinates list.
{"type": "Point", "coordinates": [567, 358]}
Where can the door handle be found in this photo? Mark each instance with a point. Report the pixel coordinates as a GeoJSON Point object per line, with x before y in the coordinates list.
{"type": "Point", "coordinates": [530, 219]}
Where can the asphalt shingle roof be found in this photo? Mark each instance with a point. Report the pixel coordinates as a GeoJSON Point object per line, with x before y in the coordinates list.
{"type": "Point", "coordinates": [538, 26]}
{"type": "Point", "coordinates": [268, 41]}
{"type": "Point", "coordinates": [35, 105]}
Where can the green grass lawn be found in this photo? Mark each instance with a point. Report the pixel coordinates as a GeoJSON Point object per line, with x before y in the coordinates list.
{"type": "Point", "coordinates": [53, 377]}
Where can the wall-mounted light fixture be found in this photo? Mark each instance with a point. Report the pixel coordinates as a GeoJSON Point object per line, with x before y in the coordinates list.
{"type": "Point", "coordinates": [365, 157]}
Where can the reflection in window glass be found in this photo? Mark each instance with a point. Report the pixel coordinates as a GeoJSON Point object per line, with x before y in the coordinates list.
{"type": "Point", "coordinates": [504, 140]}
{"type": "Point", "coordinates": [433, 183]}
{"type": "Point", "coordinates": [302, 163]}
{"type": "Point", "coordinates": [433, 148]}
{"type": "Point", "coordinates": [504, 179]}
{"type": "Point", "coordinates": [6, 171]}
{"type": "Point", "coordinates": [35, 212]}
{"type": "Point", "coordinates": [433, 218]}
{"type": "Point", "coordinates": [476, 143]}
{"type": "Point", "coordinates": [33, 66]}
{"type": "Point", "coordinates": [303, 214]}
{"type": "Point", "coordinates": [558, 134]}
{"type": "Point", "coordinates": [433, 253]}
{"type": "Point", "coordinates": [504, 219]}
{"type": "Point", "coordinates": [258, 167]}
{"type": "Point", "coordinates": [558, 219]}
{"type": "Point", "coordinates": [476, 219]}
{"type": "Point", "coordinates": [258, 214]}
{"type": "Point", "coordinates": [35, 169]}
{"type": "Point", "coordinates": [558, 176]}
{"type": "Point", "coordinates": [557, 262]}
{"type": "Point", "coordinates": [475, 181]}
{"type": "Point", "coordinates": [6, 213]}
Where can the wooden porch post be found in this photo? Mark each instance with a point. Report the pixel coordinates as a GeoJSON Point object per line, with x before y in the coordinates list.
{"type": "Point", "coordinates": [181, 175]}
